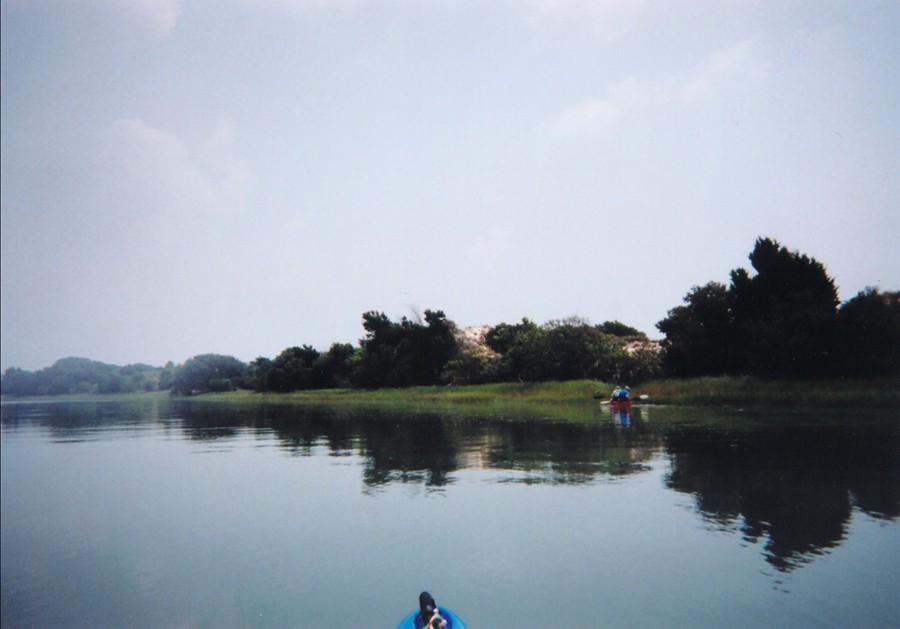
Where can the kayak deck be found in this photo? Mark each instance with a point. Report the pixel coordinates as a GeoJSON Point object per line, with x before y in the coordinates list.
{"type": "Point", "coordinates": [453, 621]}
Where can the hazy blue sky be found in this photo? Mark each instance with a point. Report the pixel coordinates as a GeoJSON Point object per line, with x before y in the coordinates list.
{"type": "Point", "coordinates": [240, 176]}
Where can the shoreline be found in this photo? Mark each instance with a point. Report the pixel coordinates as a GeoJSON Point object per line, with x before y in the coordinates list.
{"type": "Point", "coordinates": [878, 393]}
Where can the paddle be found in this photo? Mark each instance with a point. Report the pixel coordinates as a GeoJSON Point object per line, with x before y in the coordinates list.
{"type": "Point", "coordinates": [643, 396]}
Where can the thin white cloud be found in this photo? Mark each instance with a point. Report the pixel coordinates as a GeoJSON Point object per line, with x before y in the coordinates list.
{"type": "Point", "coordinates": [596, 9]}
{"type": "Point", "coordinates": [159, 16]}
{"type": "Point", "coordinates": [607, 18]}
{"type": "Point", "coordinates": [152, 184]}
{"type": "Point", "coordinates": [304, 6]}
{"type": "Point", "coordinates": [597, 115]}
{"type": "Point", "coordinates": [230, 176]}
{"type": "Point", "coordinates": [167, 215]}
{"type": "Point", "coordinates": [817, 42]}
{"type": "Point", "coordinates": [155, 160]}
{"type": "Point", "coordinates": [591, 116]}
{"type": "Point", "coordinates": [737, 67]}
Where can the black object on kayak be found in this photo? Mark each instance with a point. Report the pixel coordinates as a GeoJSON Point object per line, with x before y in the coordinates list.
{"type": "Point", "coordinates": [427, 606]}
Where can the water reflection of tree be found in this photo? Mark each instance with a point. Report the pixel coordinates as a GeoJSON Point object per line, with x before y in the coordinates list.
{"type": "Point", "coordinates": [795, 488]}
{"type": "Point", "coordinates": [81, 420]}
{"type": "Point", "coordinates": [421, 450]}
{"type": "Point", "coordinates": [301, 430]}
{"type": "Point", "coordinates": [567, 453]}
{"type": "Point", "coordinates": [200, 422]}
{"type": "Point", "coordinates": [426, 448]}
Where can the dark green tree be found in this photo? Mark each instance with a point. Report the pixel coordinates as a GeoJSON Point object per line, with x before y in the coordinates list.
{"type": "Point", "coordinates": [403, 354]}
{"type": "Point", "coordinates": [206, 373]}
{"type": "Point", "coordinates": [257, 374]}
{"type": "Point", "coordinates": [869, 333]}
{"type": "Point", "coordinates": [784, 315]}
{"type": "Point", "coordinates": [17, 382]}
{"type": "Point", "coordinates": [68, 375]}
{"type": "Point", "coordinates": [558, 350]}
{"type": "Point", "coordinates": [336, 365]}
{"type": "Point", "coordinates": [617, 328]}
{"type": "Point", "coordinates": [779, 322]}
{"type": "Point", "coordinates": [504, 336]}
{"type": "Point", "coordinates": [508, 341]}
{"type": "Point", "coordinates": [435, 347]}
{"type": "Point", "coordinates": [166, 375]}
{"type": "Point", "coordinates": [378, 351]}
{"type": "Point", "coordinates": [112, 383]}
{"type": "Point", "coordinates": [699, 334]}
{"type": "Point", "coordinates": [295, 369]}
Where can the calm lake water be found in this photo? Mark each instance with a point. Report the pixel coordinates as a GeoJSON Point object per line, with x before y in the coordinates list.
{"type": "Point", "coordinates": [166, 514]}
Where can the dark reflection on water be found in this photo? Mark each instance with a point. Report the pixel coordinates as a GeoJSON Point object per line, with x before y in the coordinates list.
{"type": "Point", "coordinates": [78, 421]}
{"type": "Point", "coordinates": [795, 487]}
{"type": "Point", "coordinates": [567, 453]}
{"type": "Point", "coordinates": [792, 488]}
{"type": "Point", "coordinates": [428, 447]}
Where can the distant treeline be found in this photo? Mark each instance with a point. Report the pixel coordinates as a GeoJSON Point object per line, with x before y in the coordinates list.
{"type": "Point", "coordinates": [81, 375]}
{"type": "Point", "coordinates": [410, 352]}
{"type": "Point", "coordinates": [432, 350]}
{"type": "Point", "coordinates": [785, 321]}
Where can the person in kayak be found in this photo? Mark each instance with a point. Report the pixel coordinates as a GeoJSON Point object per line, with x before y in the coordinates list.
{"type": "Point", "coordinates": [623, 394]}
{"type": "Point", "coordinates": [429, 614]}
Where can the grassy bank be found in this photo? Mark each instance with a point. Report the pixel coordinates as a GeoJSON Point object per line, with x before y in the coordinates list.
{"type": "Point", "coordinates": [566, 400]}
{"type": "Point", "coordinates": [883, 393]}
{"type": "Point", "coordinates": [751, 392]}
{"type": "Point", "coordinates": [723, 391]}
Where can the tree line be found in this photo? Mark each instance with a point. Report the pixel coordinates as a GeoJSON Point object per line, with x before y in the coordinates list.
{"type": "Point", "coordinates": [431, 350]}
{"type": "Point", "coordinates": [414, 351]}
{"type": "Point", "coordinates": [783, 321]}
{"type": "Point", "coordinates": [81, 375]}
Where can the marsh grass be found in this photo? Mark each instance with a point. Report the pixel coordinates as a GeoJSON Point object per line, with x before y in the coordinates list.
{"type": "Point", "coordinates": [571, 396]}
{"type": "Point", "coordinates": [752, 392]}
{"type": "Point", "coordinates": [570, 399]}
{"type": "Point", "coordinates": [551, 400]}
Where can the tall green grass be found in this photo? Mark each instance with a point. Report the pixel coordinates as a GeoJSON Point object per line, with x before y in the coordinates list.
{"type": "Point", "coordinates": [746, 391]}
{"type": "Point", "coordinates": [719, 391]}
{"type": "Point", "coordinates": [568, 400]}
{"type": "Point", "coordinates": [569, 397]}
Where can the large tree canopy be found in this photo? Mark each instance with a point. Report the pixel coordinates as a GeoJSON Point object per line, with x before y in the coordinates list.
{"type": "Point", "coordinates": [406, 353]}
{"type": "Point", "coordinates": [208, 372]}
{"type": "Point", "coordinates": [568, 349]}
{"type": "Point", "coordinates": [294, 369]}
{"type": "Point", "coordinates": [869, 333]}
{"type": "Point", "coordinates": [783, 315]}
{"type": "Point", "coordinates": [699, 334]}
{"type": "Point", "coordinates": [781, 321]}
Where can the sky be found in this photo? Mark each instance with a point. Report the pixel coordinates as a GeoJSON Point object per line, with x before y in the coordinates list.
{"type": "Point", "coordinates": [182, 177]}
